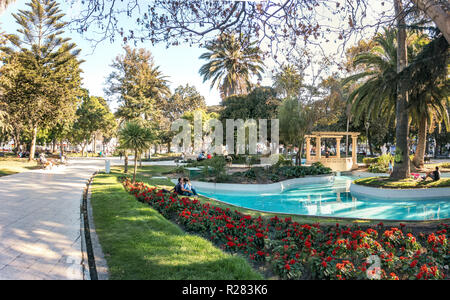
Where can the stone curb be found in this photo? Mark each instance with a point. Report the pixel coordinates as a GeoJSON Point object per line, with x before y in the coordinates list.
{"type": "Point", "coordinates": [97, 268]}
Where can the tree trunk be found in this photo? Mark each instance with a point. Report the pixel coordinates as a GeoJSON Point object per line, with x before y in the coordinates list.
{"type": "Point", "coordinates": [370, 144]}
{"type": "Point", "coordinates": [135, 165]}
{"type": "Point", "coordinates": [61, 145]}
{"type": "Point", "coordinates": [33, 144]}
{"type": "Point", "coordinates": [95, 145]}
{"type": "Point", "coordinates": [436, 13]}
{"type": "Point", "coordinates": [125, 170]}
{"type": "Point", "coordinates": [401, 166]}
{"type": "Point", "coordinates": [419, 156]}
{"type": "Point", "coordinates": [299, 154]}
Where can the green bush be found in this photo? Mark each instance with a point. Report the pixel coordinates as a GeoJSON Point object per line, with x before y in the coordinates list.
{"type": "Point", "coordinates": [378, 168]}
{"type": "Point", "coordinates": [370, 160]}
{"type": "Point", "coordinates": [385, 159]}
{"type": "Point", "coordinates": [445, 165]}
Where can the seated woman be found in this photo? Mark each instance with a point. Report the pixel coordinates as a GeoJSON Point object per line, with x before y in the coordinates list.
{"type": "Point", "coordinates": [187, 188]}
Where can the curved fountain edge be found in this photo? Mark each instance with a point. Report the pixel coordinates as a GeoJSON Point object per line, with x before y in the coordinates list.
{"type": "Point", "coordinates": [270, 187]}
{"type": "Point", "coordinates": [410, 194]}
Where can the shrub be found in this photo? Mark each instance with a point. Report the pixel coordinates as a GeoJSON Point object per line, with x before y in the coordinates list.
{"type": "Point", "coordinates": [378, 168]}
{"type": "Point", "coordinates": [370, 160]}
{"type": "Point", "coordinates": [445, 165]}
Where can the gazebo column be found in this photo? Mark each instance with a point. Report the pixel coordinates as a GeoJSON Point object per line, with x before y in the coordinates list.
{"type": "Point", "coordinates": [338, 147]}
{"type": "Point", "coordinates": [354, 151]}
{"type": "Point", "coordinates": [308, 149]}
{"type": "Point", "coordinates": [318, 148]}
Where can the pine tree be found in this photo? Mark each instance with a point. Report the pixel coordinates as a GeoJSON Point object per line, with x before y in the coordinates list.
{"type": "Point", "coordinates": [47, 72]}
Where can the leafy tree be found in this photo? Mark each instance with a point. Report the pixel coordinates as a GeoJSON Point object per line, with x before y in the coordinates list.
{"type": "Point", "coordinates": [135, 137]}
{"type": "Point", "coordinates": [232, 61]}
{"type": "Point", "coordinates": [42, 77]}
{"type": "Point", "coordinates": [93, 115]}
{"type": "Point", "coordinates": [184, 99]}
{"type": "Point", "coordinates": [296, 121]}
{"type": "Point", "coordinates": [260, 103]}
{"type": "Point", "coordinates": [138, 84]}
{"type": "Point", "coordinates": [288, 81]}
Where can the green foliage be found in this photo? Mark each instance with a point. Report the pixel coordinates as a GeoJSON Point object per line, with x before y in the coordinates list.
{"type": "Point", "coordinates": [288, 81]}
{"type": "Point", "coordinates": [138, 84]}
{"type": "Point", "coordinates": [134, 136]}
{"type": "Point", "coordinates": [296, 120]}
{"type": "Point", "coordinates": [41, 73]}
{"type": "Point", "coordinates": [93, 115]}
{"type": "Point", "coordinates": [232, 60]}
{"type": "Point", "coordinates": [260, 103]}
{"type": "Point", "coordinates": [370, 160]}
{"type": "Point", "coordinates": [218, 165]}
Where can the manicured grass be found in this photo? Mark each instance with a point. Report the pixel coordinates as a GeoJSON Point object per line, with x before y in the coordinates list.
{"type": "Point", "coordinates": [386, 182]}
{"type": "Point", "coordinates": [13, 165]}
{"type": "Point", "coordinates": [139, 243]}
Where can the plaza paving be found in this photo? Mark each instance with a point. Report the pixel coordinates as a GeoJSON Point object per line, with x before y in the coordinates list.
{"type": "Point", "coordinates": [40, 222]}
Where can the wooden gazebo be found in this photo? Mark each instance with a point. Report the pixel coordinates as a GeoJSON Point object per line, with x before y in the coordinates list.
{"type": "Point", "coordinates": [336, 162]}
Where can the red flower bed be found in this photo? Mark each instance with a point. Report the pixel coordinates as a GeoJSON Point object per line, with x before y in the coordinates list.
{"type": "Point", "coordinates": [305, 251]}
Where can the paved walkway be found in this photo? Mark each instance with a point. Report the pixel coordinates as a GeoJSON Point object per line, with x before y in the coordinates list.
{"type": "Point", "coordinates": [40, 222]}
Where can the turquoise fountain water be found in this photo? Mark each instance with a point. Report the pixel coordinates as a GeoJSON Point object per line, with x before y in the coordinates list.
{"type": "Point", "coordinates": [335, 200]}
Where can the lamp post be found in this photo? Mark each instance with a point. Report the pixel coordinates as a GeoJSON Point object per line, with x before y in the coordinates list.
{"type": "Point", "coordinates": [367, 135]}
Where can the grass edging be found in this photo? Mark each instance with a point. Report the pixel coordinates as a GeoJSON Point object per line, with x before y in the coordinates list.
{"type": "Point", "coordinates": [388, 183]}
{"type": "Point", "coordinates": [139, 243]}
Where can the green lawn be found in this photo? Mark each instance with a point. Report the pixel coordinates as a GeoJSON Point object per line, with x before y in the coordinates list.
{"type": "Point", "coordinates": [141, 244]}
{"type": "Point", "coordinates": [386, 182]}
{"type": "Point", "coordinates": [13, 165]}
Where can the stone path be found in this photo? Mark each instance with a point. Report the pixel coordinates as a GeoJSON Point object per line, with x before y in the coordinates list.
{"type": "Point", "coordinates": [40, 222]}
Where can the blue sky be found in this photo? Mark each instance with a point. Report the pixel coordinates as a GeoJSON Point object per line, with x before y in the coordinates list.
{"type": "Point", "coordinates": [180, 64]}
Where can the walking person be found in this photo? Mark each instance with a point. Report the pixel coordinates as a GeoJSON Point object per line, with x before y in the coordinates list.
{"type": "Point", "coordinates": [391, 166]}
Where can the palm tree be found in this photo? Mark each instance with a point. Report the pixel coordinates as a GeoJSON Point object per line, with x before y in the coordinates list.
{"type": "Point", "coordinates": [135, 137]}
{"type": "Point", "coordinates": [376, 96]}
{"type": "Point", "coordinates": [231, 62]}
{"type": "Point", "coordinates": [288, 81]}
{"type": "Point", "coordinates": [429, 92]}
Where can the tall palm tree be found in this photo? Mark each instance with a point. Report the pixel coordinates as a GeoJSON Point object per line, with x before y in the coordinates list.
{"type": "Point", "coordinates": [232, 61]}
{"type": "Point", "coordinates": [429, 99]}
{"type": "Point", "coordinates": [376, 96]}
{"type": "Point", "coordinates": [136, 137]}
{"type": "Point", "coordinates": [288, 81]}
